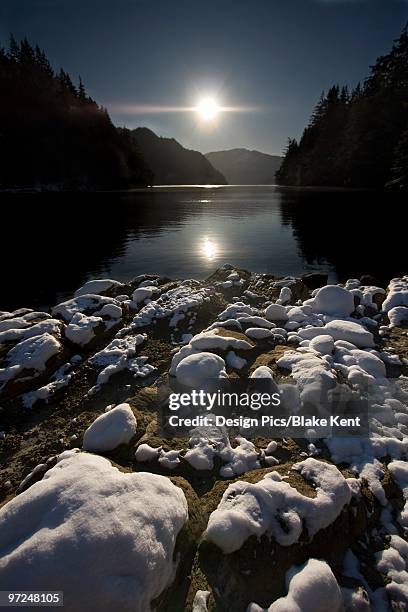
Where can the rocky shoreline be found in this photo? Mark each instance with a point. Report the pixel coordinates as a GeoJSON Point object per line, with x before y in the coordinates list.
{"type": "Point", "coordinates": [87, 375]}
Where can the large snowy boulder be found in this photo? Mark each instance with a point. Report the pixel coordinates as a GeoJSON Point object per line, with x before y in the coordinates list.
{"type": "Point", "coordinates": [333, 300]}
{"type": "Point", "coordinates": [105, 538]}
{"type": "Point", "coordinates": [110, 429]}
{"type": "Point", "coordinates": [199, 368]}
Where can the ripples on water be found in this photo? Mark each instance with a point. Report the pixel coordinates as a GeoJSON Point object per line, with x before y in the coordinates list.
{"type": "Point", "coordinates": [52, 243]}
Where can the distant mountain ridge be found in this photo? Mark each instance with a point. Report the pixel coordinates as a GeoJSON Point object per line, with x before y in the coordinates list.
{"type": "Point", "coordinates": [245, 167]}
{"type": "Point", "coordinates": [171, 163]}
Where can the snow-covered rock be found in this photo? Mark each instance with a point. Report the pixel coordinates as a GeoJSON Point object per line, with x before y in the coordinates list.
{"type": "Point", "coordinates": [105, 538]}
{"type": "Point", "coordinates": [258, 333]}
{"type": "Point", "coordinates": [145, 452]}
{"type": "Point", "coordinates": [81, 328]}
{"type": "Point", "coordinates": [86, 304]}
{"type": "Point", "coordinates": [98, 286]}
{"type": "Point", "coordinates": [273, 507]}
{"type": "Point", "coordinates": [276, 312]}
{"type": "Point", "coordinates": [311, 588]}
{"type": "Point", "coordinates": [397, 316]}
{"type": "Point", "coordinates": [30, 354]}
{"type": "Point", "coordinates": [143, 293]}
{"type": "Point", "coordinates": [48, 326]}
{"type": "Point", "coordinates": [199, 368]}
{"type": "Point", "coordinates": [110, 429]}
{"type": "Point", "coordinates": [350, 332]}
{"type": "Point", "coordinates": [333, 300]}
{"type": "Point", "coordinates": [397, 294]}
{"type": "Point", "coordinates": [323, 344]}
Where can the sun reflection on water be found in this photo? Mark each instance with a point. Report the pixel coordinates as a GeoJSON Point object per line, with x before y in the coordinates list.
{"type": "Point", "coordinates": [209, 248]}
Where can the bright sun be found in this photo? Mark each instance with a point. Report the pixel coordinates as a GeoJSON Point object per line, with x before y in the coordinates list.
{"type": "Point", "coordinates": [208, 109]}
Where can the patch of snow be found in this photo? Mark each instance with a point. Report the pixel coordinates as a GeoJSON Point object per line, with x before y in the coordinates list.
{"type": "Point", "coordinates": [200, 601]}
{"type": "Point", "coordinates": [234, 361]}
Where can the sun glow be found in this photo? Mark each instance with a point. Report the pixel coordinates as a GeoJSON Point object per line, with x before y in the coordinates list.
{"type": "Point", "coordinates": [208, 109]}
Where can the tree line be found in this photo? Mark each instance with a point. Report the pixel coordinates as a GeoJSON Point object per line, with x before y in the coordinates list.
{"type": "Point", "coordinates": [357, 138]}
{"type": "Point", "coordinates": [54, 135]}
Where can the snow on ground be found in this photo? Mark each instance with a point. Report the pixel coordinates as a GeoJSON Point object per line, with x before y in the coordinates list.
{"type": "Point", "coordinates": [119, 355]}
{"type": "Point", "coordinates": [393, 563]}
{"type": "Point", "coordinates": [85, 304]}
{"type": "Point", "coordinates": [206, 445]}
{"type": "Point", "coordinates": [31, 354]}
{"type": "Point", "coordinates": [60, 379]}
{"type": "Point", "coordinates": [208, 340]}
{"type": "Point", "coordinates": [175, 304]}
{"type": "Point", "coordinates": [110, 429]}
{"type": "Point", "coordinates": [399, 472]}
{"type": "Point", "coordinates": [141, 294]}
{"type": "Point", "coordinates": [104, 537]}
{"type": "Point", "coordinates": [334, 340]}
{"type": "Point", "coordinates": [273, 507]}
{"type": "Point", "coordinates": [17, 334]}
{"type": "Point", "coordinates": [200, 601]}
{"type": "Point", "coordinates": [311, 588]}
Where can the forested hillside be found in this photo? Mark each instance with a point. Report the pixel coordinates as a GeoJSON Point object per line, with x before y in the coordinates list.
{"type": "Point", "coordinates": [357, 138]}
{"type": "Point", "coordinates": [53, 135]}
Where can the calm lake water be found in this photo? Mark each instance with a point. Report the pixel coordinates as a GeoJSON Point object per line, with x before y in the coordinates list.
{"type": "Point", "coordinates": [52, 243]}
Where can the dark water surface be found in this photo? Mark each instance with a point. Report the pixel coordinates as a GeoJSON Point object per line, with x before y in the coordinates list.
{"type": "Point", "coordinates": [50, 244]}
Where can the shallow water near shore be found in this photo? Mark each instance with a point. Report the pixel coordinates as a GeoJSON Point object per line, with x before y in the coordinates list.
{"type": "Point", "coordinates": [53, 242]}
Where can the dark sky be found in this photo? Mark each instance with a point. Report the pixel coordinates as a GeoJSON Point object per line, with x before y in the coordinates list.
{"type": "Point", "coordinates": [275, 55]}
